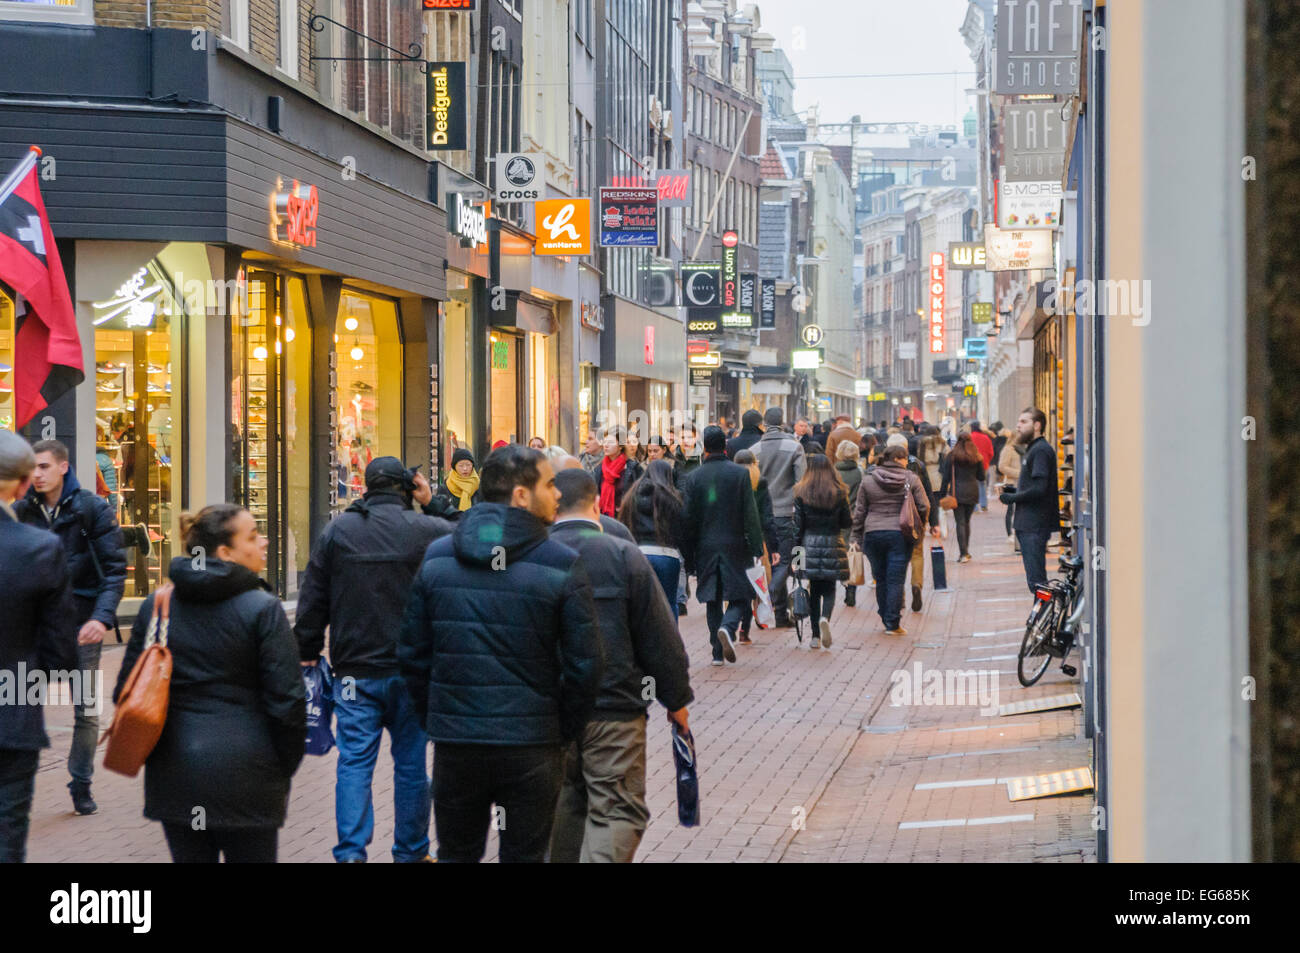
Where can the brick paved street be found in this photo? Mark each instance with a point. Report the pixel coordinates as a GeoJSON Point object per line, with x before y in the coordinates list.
{"type": "Point", "coordinates": [802, 756]}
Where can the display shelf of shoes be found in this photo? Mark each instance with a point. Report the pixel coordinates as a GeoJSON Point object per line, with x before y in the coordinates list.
{"type": "Point", "coordinates": [256, 436]}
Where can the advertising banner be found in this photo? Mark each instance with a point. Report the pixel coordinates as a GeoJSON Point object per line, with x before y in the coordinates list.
{"type": "Point", "coordinates": [1012, 250]}
{"type": "Point", "coordinates": [1029, 204]}
{"type": "Point", "coordinates": [446, 118]}
{"type": "Point", "coordinates": [767, 303]}
{"type": "Point", "coordinates": [520, 176]}
{"type": "Point", "coordinates": [700, 284]}
{"type": "Point", "coordinates": [563, 227]}
{"type": "Point", "coordinates": [629, 217]}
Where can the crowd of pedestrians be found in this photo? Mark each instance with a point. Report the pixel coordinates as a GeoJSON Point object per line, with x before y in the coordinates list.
{"type": "Point", "coordinates": [522, 616]}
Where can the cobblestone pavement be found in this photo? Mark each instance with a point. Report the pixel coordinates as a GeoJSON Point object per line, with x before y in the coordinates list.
{"type": "Point", "coordinates": [802, 755]}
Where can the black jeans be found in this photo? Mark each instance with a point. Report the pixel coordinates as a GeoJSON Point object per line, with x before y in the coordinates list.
{"type": "Point", "coordinates": [781, 571]}
{"type": "Point", "coordinates": [732, 618]}
{"type": "Point", "coordinates": [523, 781]}
{"type": "Point", "coordinates": [1033, 553]}
{"type": "Point", "coordinates": [821, 600]}
{"type": "Point", "coordinates": [17, 781]}
{"type": "Point", "coordinates": [962, 515]}
{"type": "Point", "coordinates": [240, 845]}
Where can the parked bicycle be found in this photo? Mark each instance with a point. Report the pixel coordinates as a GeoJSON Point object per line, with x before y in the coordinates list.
{"type": "Point", "coordinates": [1053, 623]}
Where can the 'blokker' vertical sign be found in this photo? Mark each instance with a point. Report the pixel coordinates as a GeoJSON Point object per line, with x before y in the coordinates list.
{"type": "Point", "coordinates": [445, 117]}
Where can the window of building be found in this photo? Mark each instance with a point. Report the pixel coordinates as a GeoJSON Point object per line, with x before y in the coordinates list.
{"type": "Point", "coordinates": [234, 22]}
{"type": "Point", "coordinates": [389, 94]}
{"type": "Point", "coordinates": [289, 38]}
{"type": "Point", "coordinates": [49, 11]}
{"type": "Point", "coordinates": [368, 404]}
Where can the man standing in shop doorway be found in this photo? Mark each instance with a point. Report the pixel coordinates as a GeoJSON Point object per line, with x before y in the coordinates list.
{"type": "Point", "coordinates": [92, 542]}
{"type": "Point", "coordinates": [1038, 513]}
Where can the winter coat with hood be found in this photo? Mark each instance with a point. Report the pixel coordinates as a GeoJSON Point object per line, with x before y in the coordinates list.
{"type": "Point", "coordinates": [358, 581]}
{"type": "Point", "coordinates": [1009, 461]}
{"type": "Point", "coordinates": [35, 633]}
{"type": "Point", "coordinates": [820, 531]}
{"type": "Point", "coordinates": [880, 498]}
{"type": "Point", "coordinates": [83, 520]}
{"type": "Point", "coordinates": [638, 629]}
{"type": "Point", "coordinates": [722, 535]}
{"type": "Point", "coordinates": [850, 475]}
{"type": "Point", "coordinates": [237, 717]}
{"type": "Point", "coordinates": [782, 462]}
{"type": "Point", "coordinates": [500, 644]}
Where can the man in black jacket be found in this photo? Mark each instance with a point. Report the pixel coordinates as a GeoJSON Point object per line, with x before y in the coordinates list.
{"type": "Point", "coordinates": [35, 637]}
{"type": "Point", "coordinates": [751, 432]}
{"type": "Point", "coordinates": [501, 652]}
{"type": "Point", "coordinates": [722, 539]}
{"type": "Point", "coordinates": [92, 542]}
{"type": "Point", "coordinates": [1038, 513]}
{"type": "Point", "coordinates": [357, 584]}
{"type": "Point", "coordinates": [602, 811]}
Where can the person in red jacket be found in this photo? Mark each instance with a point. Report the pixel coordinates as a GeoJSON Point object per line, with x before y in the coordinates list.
{"type": "Point", "coordinates": [983, 443]}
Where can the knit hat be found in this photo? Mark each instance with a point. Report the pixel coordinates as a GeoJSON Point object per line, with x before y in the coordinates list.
{"type": "Point", "coordinates": [461, 454]}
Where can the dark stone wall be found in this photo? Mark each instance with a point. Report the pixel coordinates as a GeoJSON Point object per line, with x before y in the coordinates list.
{"type": "Point", "coordinates": [1273, 459]}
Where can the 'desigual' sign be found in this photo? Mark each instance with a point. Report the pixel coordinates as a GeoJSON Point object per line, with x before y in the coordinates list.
{"type": "Point", "coordinates": [446, 121]}
{"type": "Point", "coordinates": [1037, 47]}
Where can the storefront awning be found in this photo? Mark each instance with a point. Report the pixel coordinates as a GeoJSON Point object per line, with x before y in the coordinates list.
{"type": "Point", "coordinates": [737, 369]}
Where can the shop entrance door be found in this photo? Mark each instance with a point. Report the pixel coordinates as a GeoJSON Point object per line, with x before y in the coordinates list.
{"type": "Point", "coordinates": [270, 355]}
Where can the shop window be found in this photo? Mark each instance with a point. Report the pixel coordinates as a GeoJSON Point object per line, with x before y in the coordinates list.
{"type": "Point", "coordinates": [543, 388]}
{"type": "Point", "coordinates": [49, 11]}
{"type": "Point", "coordinates": [138, 420]}
{"type": "Point", "coordinates": [270, 419]}
{"type": "Point", "coordinates": [504, 354]}
{"type": "Point", "coordinates": [368, 403]}
{"type": "Point", "coordinates": [458, 421]}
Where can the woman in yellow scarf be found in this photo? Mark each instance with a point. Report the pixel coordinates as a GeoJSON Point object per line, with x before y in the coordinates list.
{"type": "Point", "coordinates": [461, 484]}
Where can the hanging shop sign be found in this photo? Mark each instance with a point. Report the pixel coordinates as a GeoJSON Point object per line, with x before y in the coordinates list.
{"type": "Point", "coordinates": [466, 221]}
{"type": "Point", "coordinates": [966, 256]}
{"type": "Point", "coordinates": [1034, 139]}
{"type": "Point", "coordinates": [748, 292]}
{"type": "Point", "coordinates": [701, 377]}
{"type": "Point", "coordinates": [737, 319]}
{"type": "Point", "coordinates": [703, 324]}
{"type": "Point", "coordinates": [649, 343]}
{"type": "Point", "coordinates": [294, 211]}
{"type": "Point", "coordinates": [563, 226]}
{"type": "Point", "coordinates": [977, 348]}
{"type": "Point", "coordinates": [696, 346]}
{"type": "Point", "coordinates": [1029, 204]}
{"type": "Point", "coordinates": [767, 303]}
{"type": "Point", "coordinates": [629, 217]}
{"type": "Point", "coordinates": [707, 359]}
{"type": "Point", "coordinates": [593, 316]}
{"type": "Point", "coordinates": [467, 6]}
{"type": "Point", "coordinates": [730, 278]}
{"type": "Point", "coordinates": [907, 351]}
{"type": "Point", "coordinates": [1014, 250]}
{"type": "Point", "coordinates": [862, 388]}
{"type": "Point", "coordinates": [981, 312]}
{"type": "Point", "coordinates": [937, 280]}
{"type": "Point", "coordinates": [811, 335]}
{"type": "Point", "coordinates": [1037, 48]}
{"type": "Point", "coordinates": [446, 119]}
{"type": "Point", "coordinates": [520, 176]}
{"type": "Point", "coordinates": [807, 358]}
{"type": "Point", "coordinates": [700, 281]}
{"type": "Point", "coordinates": [659, 283]}
{"type": "Point", "coordinates": [674, 187]}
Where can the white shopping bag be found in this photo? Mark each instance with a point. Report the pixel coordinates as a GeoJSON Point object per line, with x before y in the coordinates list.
{"type": "Point", "coordinates": [763, 613]}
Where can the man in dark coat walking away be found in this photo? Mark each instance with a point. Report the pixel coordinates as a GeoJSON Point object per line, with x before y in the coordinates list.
{"type": "Point", "coordinates": [357, 584]}
{"type": "Point", "coordinates": [35, 637]}
{"type": "Point", "coordinates": [751, 432]}
{"type": "Point", "coordinates": [722, 539]}
{"type": "Point", "coordinates": [602, 812]}
{"type": "Point", "coordinates": [501, 652]}
{"type": "Point", "coordinates": [92, 542]}
{"type": "Point", "coordinates": [1038, 513]}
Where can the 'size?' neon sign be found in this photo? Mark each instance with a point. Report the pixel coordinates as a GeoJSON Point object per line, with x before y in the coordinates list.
{"type": "Point", "coordinates": [294, 212]}
{"type": "Point", "coordinates": [936, 302]}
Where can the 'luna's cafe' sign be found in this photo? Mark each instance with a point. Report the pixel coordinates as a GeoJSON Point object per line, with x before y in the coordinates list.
{"type": "Point", "coordinates": [446, 120]}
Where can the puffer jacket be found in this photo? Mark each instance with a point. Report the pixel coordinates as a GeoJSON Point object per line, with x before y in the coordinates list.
{"type": "Point", "coordinates": [643, 518]}
{"type": "Point", "coordinates": [83, 520]}
{"type": "Point", "coordinates": [500, 643]}
{"type": "Point", "coordinates": [820, 532]}
{"type": "Point", "coordinates": [237, 715]}
{"type": "Point", "coordinates": [358, 580]}
{"type": "Point", "coordinates": [638, 629]}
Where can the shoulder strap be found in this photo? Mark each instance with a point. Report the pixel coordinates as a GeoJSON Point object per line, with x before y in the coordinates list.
{"type": "Point", "coordinates": [160, 618]}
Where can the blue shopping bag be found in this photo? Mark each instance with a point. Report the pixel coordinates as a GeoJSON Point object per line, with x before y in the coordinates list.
{"type": "Point", "coordinates": [688, 781]}
{"type": "Point", "coordinates": [319, 682]}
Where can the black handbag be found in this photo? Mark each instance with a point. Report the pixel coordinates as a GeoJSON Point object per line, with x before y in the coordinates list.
{"type": "Point", "coordinates": [799, 607]}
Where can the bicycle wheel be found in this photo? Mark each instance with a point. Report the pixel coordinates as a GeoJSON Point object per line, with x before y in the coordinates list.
{"type": "Point", "coordinates": [1033, 659]}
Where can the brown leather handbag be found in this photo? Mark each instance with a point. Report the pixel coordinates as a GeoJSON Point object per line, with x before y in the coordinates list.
{"type": "Point", "coordinates": [142, 704]}
{"type": "Point", "coordinates": [949, 502]}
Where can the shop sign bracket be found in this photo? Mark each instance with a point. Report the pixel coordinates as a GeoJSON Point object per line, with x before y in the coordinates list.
{"type": "Point", "coordinates": [414, 54]}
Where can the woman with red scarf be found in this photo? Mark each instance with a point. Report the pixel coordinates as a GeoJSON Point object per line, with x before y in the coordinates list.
{"type": "Point", "coordinates": [615, 473]}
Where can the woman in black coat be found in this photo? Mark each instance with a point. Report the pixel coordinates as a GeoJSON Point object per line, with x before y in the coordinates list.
{"type": "Point", "coordinates": [236, 719]}
{"type": "Point", "coordinates": [962, 473]}
{"type": "Point", "coordinates": [821, 517]}
{"type": "Point", "coordinates": [847, 455]}
{"type": "Point", "coordinates": [652, 512]}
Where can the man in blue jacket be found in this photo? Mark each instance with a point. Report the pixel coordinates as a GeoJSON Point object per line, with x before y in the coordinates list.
{"type": "Point", "coordinates": [1038, 513]}
{"type": "Point", "coordinates": [92, 542]}
{"type": "Point", "coordinates": [35, 637]}
{"type": "Point", "coordinates": [501, 652]}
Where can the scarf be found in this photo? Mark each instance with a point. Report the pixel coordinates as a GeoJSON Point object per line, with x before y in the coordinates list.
{"type": "Point", "coordinates": [611, 469]}
{"type": "Point", "coordinates": [463, 487]}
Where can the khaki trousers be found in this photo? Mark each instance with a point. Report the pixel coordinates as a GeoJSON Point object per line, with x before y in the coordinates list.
{"type": "Point", "coordinates": [601, 814]}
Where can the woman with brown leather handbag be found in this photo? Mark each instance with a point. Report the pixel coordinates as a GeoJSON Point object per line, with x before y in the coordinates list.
{"type": "Point", "coordinates": [960, 491]}
{"type": "Point", "coordinates": [235, 719]}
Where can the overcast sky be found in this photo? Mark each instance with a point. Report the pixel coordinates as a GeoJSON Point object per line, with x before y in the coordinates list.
{"type": "Point", "coordinates": [842, 37]}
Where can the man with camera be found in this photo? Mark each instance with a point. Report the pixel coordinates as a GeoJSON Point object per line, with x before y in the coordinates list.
{"type": "Point", "coordinates": [357, 584]}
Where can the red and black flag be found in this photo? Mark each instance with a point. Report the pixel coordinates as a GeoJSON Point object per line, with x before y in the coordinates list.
{"type": "Point", "coordinates": [47, 347]}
